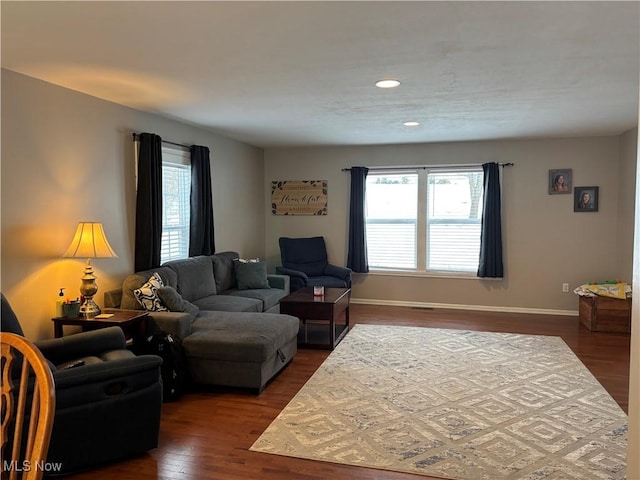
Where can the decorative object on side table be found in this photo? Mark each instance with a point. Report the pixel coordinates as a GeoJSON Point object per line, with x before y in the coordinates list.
{"type": "Point", "coordinates": [71, 309]}
{"type": "Point", "coordinates": [89, 242]}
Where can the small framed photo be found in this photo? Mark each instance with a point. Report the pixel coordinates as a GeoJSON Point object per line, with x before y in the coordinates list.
{"type": "Point", "coordinates": [585, 199]}
{"type": "Point", "coordinates": [560, 181]}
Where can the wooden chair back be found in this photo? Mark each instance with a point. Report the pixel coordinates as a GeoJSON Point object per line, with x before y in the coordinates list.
{"type": "Point", "coordinates": [26, 379]}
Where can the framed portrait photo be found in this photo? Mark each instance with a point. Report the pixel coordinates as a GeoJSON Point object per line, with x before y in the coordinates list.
{"type": "Point", "coordinates": [585, 199]}
{"type": "Point", "coordinates": [560, 181]}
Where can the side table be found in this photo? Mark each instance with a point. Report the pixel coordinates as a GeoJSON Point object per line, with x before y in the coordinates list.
{"type": "Point", "coordinates": [132, 322]}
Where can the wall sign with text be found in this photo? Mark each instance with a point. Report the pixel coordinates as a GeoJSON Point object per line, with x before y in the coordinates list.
{"type": "Point", "coordinates": [304, 197]}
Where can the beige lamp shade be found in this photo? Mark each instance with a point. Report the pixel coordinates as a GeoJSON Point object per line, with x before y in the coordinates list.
{"type": "Point", "coordinates": [90, 242]}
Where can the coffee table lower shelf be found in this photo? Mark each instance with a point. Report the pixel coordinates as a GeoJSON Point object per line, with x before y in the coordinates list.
{"type": "Point", "coordinates": [316, 335]}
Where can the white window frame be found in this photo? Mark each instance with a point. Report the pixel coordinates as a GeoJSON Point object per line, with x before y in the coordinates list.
{"type": "Point", "coordinates": [422, 223]}
{"type": "Point", "coordinates": [180, 159]}
{"type": "Point", "coordinates": [398, 221]}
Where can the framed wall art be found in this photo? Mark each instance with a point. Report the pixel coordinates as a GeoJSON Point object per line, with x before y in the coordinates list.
{"type": "Point", "coordinates": [585, 199]}
{"type": "Point", "coordinates": [560, 181]}
{"type": "Point", "coordinates": [304, 197]}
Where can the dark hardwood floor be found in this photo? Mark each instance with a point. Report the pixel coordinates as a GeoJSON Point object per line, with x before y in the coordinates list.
{"type": "Point", "coordinates": [207, 433]}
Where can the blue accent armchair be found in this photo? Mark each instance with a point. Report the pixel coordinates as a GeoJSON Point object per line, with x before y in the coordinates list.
{"type": "Point", "coordinates": [305, 261]}
{"type": "Point", "coordinates": [108, 407]}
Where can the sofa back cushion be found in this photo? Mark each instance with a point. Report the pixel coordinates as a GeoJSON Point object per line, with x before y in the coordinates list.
{"type": "Point", "coordinates": [223, 270]}
{"type": "Point", "coordinates": [195, 277]}
{"type": "Point", "coordinates": [136, 280]}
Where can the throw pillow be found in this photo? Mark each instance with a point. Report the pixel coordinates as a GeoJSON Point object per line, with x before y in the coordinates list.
{"type": "Point", "coordinates": [251, 274]}
{"type": "Point", "coordinates": [174, 301]}
{"type": "Point", "coordinates": [147, 294]}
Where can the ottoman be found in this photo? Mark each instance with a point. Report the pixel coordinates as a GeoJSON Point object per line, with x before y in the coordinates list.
{"type": "Point", "coordinates": [239, 349]}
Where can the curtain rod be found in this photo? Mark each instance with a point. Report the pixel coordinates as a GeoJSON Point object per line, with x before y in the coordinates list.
{"type": "Point", "coordinates": [425, 167]}
{"type": "Point", "coordinates": [136, 137]}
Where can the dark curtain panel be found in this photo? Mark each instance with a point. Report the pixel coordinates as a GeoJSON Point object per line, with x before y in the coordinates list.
{"type": "Point", "coordinates": [149, 203]}
{"type": "Point", "coordinates": [201, 235]}
{"type": "Point", "coordinates": [357, 257]}
{"type": "Point", "coordinates": [490, 264]}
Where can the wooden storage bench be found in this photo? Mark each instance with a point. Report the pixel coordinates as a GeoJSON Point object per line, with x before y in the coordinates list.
{"type": "Point", "coordinates": [605, 314]}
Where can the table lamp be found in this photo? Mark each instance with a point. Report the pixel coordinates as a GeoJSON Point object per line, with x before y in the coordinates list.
{"type": "Point", "coordinates": [89, 242]}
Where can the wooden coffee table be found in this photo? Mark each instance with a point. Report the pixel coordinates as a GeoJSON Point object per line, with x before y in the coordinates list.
{"type": "Point", "coordinates": [325, 320]}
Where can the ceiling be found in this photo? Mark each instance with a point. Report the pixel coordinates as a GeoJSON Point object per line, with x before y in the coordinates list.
{"type": "Point", "coordinates": [302, 73]}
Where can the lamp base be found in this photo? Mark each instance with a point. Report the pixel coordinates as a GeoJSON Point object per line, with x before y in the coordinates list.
{"type": "Point", "coordinates": [89, 308]}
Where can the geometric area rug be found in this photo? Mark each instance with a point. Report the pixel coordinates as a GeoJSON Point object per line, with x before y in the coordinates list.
{"type": "Point", "coordinates": [455, 404]}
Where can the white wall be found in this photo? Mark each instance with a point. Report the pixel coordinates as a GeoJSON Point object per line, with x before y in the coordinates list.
{"type": "Point", "coordinates": [545, 242]}
{"type": "Point", "coordinates": [626, 202]}
{"type": "Point", "coordinates": [68, 157]}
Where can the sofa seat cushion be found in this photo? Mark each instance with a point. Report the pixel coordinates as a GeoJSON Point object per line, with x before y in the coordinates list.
{"type": "Point", "coordinates": [269, 297]}
{"type": "Point", "coordinates": [239, 337]}
{"type": "Point", "coordinates": [228, 303]}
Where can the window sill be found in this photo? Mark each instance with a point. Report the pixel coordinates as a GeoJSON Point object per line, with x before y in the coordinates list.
{"type": "Point", "coordinates": [407, 273]}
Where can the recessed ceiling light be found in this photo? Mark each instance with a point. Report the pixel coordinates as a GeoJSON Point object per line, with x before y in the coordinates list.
{"type": "Point", "coordinates": [387, 83]}
{"type": "Point", "coordinates": [411, 124]}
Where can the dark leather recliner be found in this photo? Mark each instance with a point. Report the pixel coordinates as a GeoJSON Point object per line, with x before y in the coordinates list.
{"type": "Point", "coordinates": [305, 261]}
{"type": "Point", "coordinates": [108, 408]}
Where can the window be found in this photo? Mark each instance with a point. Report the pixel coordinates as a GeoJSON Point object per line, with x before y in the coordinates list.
{"type": "Point", "coordinates": [424, 219]}
{"type": "Point", "coordinates": [176, 193]}
{"type": "Point", "coordinates": [392, 220]}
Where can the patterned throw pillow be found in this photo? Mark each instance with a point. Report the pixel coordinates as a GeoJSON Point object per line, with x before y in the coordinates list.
{"type": "Point", "coordinates": [147, 294]}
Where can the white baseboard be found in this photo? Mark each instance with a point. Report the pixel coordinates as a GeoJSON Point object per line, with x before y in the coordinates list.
{"type": "Point", "coordinates": [483, 308]}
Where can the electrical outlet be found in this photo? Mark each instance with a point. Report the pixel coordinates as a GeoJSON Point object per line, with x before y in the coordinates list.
{"type": "Point", "coordinates": [565, 288]}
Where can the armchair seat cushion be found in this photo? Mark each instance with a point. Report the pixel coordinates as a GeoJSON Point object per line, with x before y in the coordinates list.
{"type": "Point", "coordinates": [108, 356]}
{"type": "Point", "coordinates": [326, 281]}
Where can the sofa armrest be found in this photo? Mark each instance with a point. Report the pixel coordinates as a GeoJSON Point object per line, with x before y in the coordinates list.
{"type": "Point", "coordinates": [105, 371]}
{"type": "Point", "coordinates": [59, 350]}
{"type": "Point", "coordinates": [113, 298]}
{"type": "Point", "coordinates": [177, 324]}
{"type": "Point", "coordinates": [343, 273]}
{"type": "Point", "coordinates": [283, 282]}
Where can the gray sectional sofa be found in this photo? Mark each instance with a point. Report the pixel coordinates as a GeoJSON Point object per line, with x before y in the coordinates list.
{"type": "Point", "coordinates": [230, 336]}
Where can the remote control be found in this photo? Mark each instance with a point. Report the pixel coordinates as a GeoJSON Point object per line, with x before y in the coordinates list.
{"type": "Point", "coordinates": [77, 363]}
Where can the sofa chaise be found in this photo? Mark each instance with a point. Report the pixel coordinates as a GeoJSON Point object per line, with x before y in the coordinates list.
{"type": "Point", "coordinates": [232, 334]}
